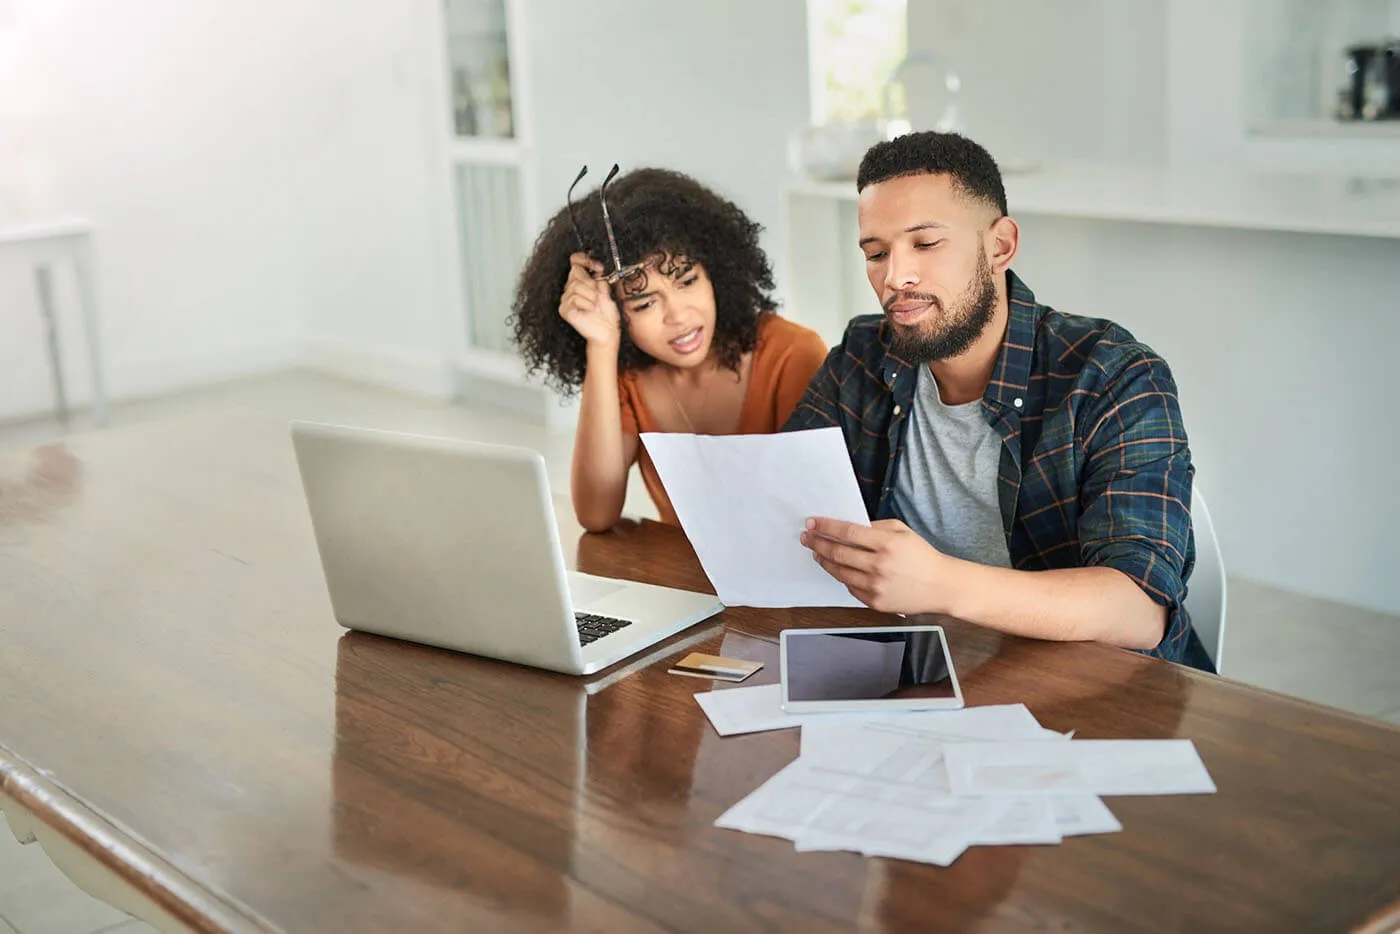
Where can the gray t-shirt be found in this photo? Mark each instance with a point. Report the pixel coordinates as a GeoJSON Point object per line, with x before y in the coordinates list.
{"type": "Point", "coordinates": [945, 487]}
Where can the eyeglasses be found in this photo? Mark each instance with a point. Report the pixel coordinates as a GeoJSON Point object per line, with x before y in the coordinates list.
{"type": "Point", "coordinates": [629, 276]}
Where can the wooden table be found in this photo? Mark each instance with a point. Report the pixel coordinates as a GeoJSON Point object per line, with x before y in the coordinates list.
{"type": "Point", "coordinates": [180, 716]}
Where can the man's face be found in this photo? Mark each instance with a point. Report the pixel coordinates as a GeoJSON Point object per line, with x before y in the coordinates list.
{"type": "Point", "coordinates": [925, 244]}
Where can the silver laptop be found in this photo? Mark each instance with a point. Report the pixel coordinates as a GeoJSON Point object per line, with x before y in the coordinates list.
{"type": "Point", "coordinates": [454, 544]}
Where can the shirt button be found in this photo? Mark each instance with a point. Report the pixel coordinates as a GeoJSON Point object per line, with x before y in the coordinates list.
{"type": "Point", "coordinates": [1016, 402]}
{"type": "Point", "coordinates": [896, 410]}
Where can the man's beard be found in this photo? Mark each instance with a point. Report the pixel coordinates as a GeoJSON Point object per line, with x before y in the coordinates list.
{"type": "Point", "coordinates": [947, 335]}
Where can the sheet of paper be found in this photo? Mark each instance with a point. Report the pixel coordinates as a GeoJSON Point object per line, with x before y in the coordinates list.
{"type": "Point", "coordinates": [1079, 815]}
{"type": "Point", "coordinates": [908, 750]}
{"type": "Point", "coordinates": [1100, 767]}
{"type": "Point", "coordinates": [824, 811]}
{"type": "Point", "coordinates": [1026, 820]}
{"type": "Point", "coordinates": [892, 758]}
{"type": "Point", "coordinates": [744, 500]}
{"type": "Point", "coordinates": [781, 806]}
{"type": "Point", "coordinates": [933, 830]}
{"type": "Point", "coordinates": [904, 757]}
{"type": "Point", "coordinates": [928, 830]}
{"type": "Point", "coordinates": [1001, 722]}
{"type": "Point", "coordinates": [758, 708]}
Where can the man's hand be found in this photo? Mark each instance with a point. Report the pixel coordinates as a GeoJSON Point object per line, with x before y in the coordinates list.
{"type": "Point", "coordinates": [886, 566]}
{"type": "Point", "coordinates": [889, 568]}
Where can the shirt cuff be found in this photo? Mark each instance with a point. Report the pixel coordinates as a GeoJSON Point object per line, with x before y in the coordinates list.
{"type": "Point", "coordinates": [1157, 577]}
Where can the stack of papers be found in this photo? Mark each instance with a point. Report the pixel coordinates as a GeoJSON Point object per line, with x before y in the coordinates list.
{"type": "Point", "coordinates": [926, 786]}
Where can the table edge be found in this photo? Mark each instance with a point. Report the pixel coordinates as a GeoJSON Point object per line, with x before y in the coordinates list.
{"type": "Point", "coordinates": [1386, 920]}
{"type": "Point", "coordinates": [123, 853]}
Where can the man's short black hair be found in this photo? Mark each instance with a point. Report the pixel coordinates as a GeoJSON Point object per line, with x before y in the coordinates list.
{"type": "Point", "coordinates": [929, 153]}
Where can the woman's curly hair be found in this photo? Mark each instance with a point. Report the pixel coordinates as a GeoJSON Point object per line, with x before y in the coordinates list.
{"type": "Point", "coordinates": [656, 213]}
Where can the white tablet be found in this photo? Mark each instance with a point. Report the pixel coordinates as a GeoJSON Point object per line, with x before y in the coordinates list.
{"type": "Point", "coordinates": [884, 668]}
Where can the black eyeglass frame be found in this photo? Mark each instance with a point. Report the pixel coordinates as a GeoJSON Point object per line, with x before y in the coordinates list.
{"type": "Point", "coordinates": [620, 273]}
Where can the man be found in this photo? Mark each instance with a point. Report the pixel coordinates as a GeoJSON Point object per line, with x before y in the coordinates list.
{"type": "Point", "coordinates": [1027, 470]}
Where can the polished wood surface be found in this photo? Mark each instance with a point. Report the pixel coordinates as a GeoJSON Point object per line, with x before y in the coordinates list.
{"type": "Point", "coordinates": [176, 699]}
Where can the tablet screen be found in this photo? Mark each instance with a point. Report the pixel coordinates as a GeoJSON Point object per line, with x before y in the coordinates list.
{"type": "Point", "coordinates": [895, 665]}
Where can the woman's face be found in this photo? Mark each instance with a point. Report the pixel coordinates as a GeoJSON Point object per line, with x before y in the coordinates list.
{"type": "Point", "coordinates": [671, 315]}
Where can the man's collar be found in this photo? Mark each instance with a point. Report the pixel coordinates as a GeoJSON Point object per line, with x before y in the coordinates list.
{"type": "Point", "coordinates": [1012, 374]}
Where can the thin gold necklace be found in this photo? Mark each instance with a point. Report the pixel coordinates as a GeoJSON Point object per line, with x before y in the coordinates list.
{"type": "Point", "coordinates": [680, 408]}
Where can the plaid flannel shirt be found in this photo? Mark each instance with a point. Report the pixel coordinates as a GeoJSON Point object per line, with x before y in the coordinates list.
{"type": "Point", "coordinates": [1095, 468]}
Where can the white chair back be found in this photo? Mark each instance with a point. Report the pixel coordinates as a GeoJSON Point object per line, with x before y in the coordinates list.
{"type": "Point", "coordinates": [1206, 591]}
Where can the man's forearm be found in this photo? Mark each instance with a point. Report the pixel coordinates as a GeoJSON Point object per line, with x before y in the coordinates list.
{"type": "Point", "coordinates": [1096, 604]}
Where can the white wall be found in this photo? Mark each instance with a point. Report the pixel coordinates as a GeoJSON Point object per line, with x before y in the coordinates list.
{"type": "Point", "coordinates": [163, 123]}
{"type": "Point", "coordinates": [271, 181]}
{"type": "Point", "coordinates": [1072, 79]}
{"type": "Point", "coordinates": [1283, 353]}
{"type": "Point", "coordinates": [376, 271]}
{"type": "Point", "coordinates": [713, 89]}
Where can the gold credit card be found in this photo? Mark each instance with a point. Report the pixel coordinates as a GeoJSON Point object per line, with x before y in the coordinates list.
{"type": "Point", "coordinates": [700, 665]}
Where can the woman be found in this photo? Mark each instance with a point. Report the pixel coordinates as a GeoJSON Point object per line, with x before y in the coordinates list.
{"type": "Point", "coordinates": [652, 294]}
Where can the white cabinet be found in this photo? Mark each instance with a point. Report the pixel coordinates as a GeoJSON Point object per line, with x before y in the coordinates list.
{"type": "Point", "coordinates": [479, 59]}
{"type": "Point", "coordinates": [1296, 64]}
{"type": "Point", "coordinates": [486, 150]}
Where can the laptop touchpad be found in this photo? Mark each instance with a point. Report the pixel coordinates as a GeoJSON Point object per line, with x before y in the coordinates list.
{"type": "Point", "coordinates": [586, 590]}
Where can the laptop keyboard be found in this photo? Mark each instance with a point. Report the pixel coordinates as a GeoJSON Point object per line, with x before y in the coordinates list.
{"type": "Point", "coordinates": [592, 627]}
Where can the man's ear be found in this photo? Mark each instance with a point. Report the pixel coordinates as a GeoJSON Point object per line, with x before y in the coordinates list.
{"type": "Point", "coordinates": [1004, 239]}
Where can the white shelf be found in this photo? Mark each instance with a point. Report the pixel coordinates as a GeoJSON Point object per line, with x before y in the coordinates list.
{"type": "Point", "coordinates": [1316, 204]}
{"type": "Point", "coordinates": [1323, 128]}
{"type": "Point", "coordinates": [46, 231]}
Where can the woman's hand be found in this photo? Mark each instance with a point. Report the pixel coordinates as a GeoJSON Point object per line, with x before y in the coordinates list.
{"type": "Point", "coordinates": [588, 305]}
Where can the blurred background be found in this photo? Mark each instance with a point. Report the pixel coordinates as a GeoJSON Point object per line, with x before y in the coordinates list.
{"type": "Point", "coordinates": [312, 203]}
